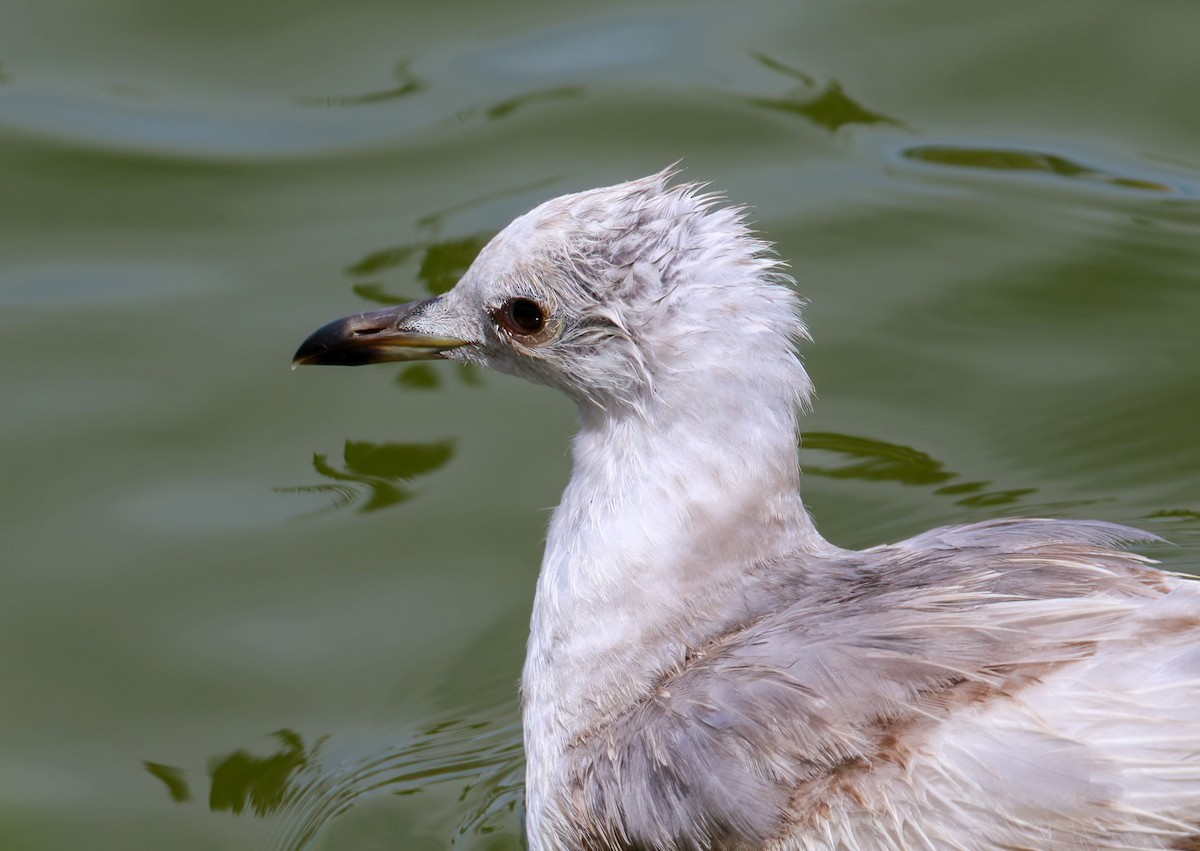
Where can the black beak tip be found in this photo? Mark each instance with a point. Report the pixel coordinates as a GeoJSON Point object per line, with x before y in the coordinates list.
{"type": "Point", "coordinates": [337, 357]}
{"type": "Point", "coordinates": [326, 347]}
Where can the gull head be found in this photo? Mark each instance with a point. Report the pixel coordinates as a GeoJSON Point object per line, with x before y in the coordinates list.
{"type": "Point", "coordinates": [623, 297]}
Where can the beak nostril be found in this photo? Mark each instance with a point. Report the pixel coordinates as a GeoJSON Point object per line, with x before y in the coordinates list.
{"type": "Point", "coordinates": [367, 332]}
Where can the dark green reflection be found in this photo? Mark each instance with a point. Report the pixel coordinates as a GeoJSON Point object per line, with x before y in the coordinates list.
{"type": "Point", "coordinates": [830, 107]}
{"type": "Point", "coordinates": [265, 783]}
{"type": "Point", "coordinates": [408, 84]}
{"type": "Point", "coordinates": [445, 262]}
{"type": "Point", "coordinates": [875, 460]}
{"type": "Point", "coordinates": [442, 264]}
{"type": "Point", "coordinates": [385, 258]}
{"type": "Point", "coordinates": [419, 376]}
{"type": "Point", "coordinates": [1011, 159]}
{"type": "Point", "coordinates": [376, 475]}
{"type": "Point", "coordinates": [994, 498]}
{"type": "Point", "coordinates": [239, 780]}
{"type": "Point", "coordinates": [879, 461]}
{"type": "Point", "coordinates": [1176, 514]}
{"type": "Point", "coordinates": [172, 778]}
{"type": "Point", "coordinates": [396, 460]}
{"type": "Point", "coordinates": [374, 291]}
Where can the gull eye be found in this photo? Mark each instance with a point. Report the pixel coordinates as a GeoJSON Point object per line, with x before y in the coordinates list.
{"type": "Point", "coordinates": [523, 317]}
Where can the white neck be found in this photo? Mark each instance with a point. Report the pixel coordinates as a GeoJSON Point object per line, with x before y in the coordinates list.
{"type": "Point", "coordinates": [667, 509]}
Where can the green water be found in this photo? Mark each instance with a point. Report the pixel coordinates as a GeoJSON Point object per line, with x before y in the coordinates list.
{"type": "Point", "coordinates": [248, 608]}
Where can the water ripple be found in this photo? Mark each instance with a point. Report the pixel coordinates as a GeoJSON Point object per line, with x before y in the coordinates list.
{"type": "Point", "coordinates": [1017, 159]}
{"type": "Point", "coordinates": [484, 758]}
{"type": "Point", "coordinates": [304, 787]}
{"type": "Point", "coordinates": [407, 84]}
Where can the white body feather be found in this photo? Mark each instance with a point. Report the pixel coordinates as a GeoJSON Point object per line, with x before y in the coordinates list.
{"type": "Point", "coordinates": [1100, 754]}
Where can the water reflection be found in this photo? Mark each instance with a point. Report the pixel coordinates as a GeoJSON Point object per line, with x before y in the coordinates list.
{"type": "Point", "coordinates": [443, 262]}
{"type": "Point", "coordinates": [241, 780]}
{"type": "Point", "coordinates": [375, 475]}
{"type": "Point", "coordinates": [419, 376]}
{"type": "Point", "coordinates": [265, 783]}
{"type": "Point", "coordinates": [307, 788]}
{"type": "Point", "coordinates": [1177, 514]}
{"type": "Point", "coordinates": [828, 107]}
{"type": "Point", "coordinates": [408, 84]}
{"type": "Point", "coordinates": [507, 107]}
{"type": "Point", "coordinates": [1013, 159]}
{"type": "Point", "coordinates": [446, 261]}
{"type": "Point", "coordinates": [172, 778]}
{"type": "Point", "coordinates": [874, 460]}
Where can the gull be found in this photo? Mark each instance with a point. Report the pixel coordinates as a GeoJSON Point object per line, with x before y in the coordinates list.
{"type": "Point", "coordinates": [704, 671]}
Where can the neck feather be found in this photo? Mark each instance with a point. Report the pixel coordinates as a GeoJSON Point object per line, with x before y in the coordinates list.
{"type": "Point", "coordinates": [669, 508]}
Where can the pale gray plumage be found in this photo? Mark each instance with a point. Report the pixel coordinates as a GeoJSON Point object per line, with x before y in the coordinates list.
{"type": "Point", "coordinates": [704, 670]}
{"type": "Point", "coordinates": [835, 666]}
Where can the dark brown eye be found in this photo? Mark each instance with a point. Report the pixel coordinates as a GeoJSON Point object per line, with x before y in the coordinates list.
{"type": "Point", "coordinates": [521, 316]}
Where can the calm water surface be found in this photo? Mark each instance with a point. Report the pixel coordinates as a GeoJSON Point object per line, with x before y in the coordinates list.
{"type": "Point", "coordinates": [246, 608]}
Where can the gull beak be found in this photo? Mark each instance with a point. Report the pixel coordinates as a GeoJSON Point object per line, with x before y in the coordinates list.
{"type": "Point", "coordinates": [377, 336]}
